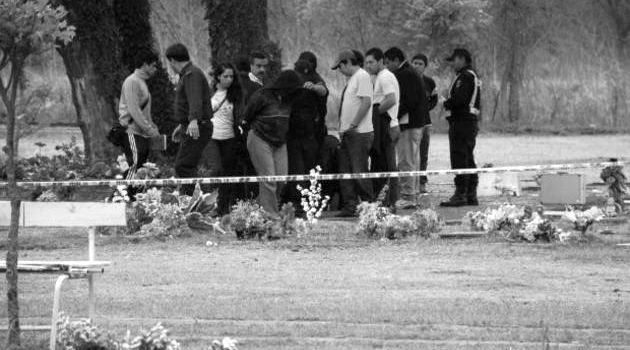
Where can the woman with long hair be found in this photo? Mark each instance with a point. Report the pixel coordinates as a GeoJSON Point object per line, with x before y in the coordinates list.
{"type": "Point", "coordinates": [226, 107]}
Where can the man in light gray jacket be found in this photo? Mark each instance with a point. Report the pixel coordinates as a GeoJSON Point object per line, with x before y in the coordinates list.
{"type": "Point", "coordinates": [135, 113]}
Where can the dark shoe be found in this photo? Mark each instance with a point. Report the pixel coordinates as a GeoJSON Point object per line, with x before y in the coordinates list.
{"type": "Point", "coordinates": [471, 191]}
{"type": "Point", "coordinates": [455, 201]}
{"type": "Point", "coordinates": [459, 198]}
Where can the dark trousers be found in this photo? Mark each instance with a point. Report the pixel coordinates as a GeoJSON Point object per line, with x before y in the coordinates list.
{"type": "Point", "coordinates": [189, 154]}
{"type": "Point", "coordinates": [424, 152]}
{"type": "Point", "coordinates": [354, 158]}
{"type": "Point", "coordinates": [244, 167]}
{"type": "Point", "coordinates": [227, 152]}
{"type": "Point", "coordinates": [302, 156]}
{"type": "Point", "coordinates": [329, 161]}
{"type": "Point", "coordinates": [136, 150]}
{"type": "Point", "coordinates": [462, 137]}
{"type": "Point", "coordinates": [383, 155]}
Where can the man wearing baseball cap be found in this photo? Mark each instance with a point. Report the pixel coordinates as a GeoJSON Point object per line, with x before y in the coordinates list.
{"type": "Point", "coordinates": [463, 104]}
{"type": "Point", "coordinates": [356, 130]}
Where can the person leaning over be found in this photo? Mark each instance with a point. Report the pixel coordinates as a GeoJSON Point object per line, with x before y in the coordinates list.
{"type": "Point", "coordinates": [193, 111]}
{"type": "Point", "coordinates": [412, 116]}
{"type": "Point", "coordinates": [464, 105]}
{"type": "Point", "coordinates": [420, 63]}
{"type": "Point", "coordinates": [385, 121]}
{"type": "Point", "coordinates": [134, 110]}
{"type": "Point", "coordinates": [267, 118]}
{"type": "Point", "coordinates": [356, 130]}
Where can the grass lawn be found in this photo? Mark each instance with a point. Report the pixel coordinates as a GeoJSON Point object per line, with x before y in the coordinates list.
{"type": "Point", "coordinates": [336, 290]}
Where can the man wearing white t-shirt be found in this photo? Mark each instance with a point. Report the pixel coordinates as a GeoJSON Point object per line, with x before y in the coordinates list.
{"type": "Point", "coordinates": [385, 121]}
{"type": "Point", "coordinates": [356, 130]}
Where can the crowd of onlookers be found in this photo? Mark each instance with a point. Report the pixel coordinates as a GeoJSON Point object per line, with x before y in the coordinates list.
{"type": "Point", "coordinates": [278, 127]}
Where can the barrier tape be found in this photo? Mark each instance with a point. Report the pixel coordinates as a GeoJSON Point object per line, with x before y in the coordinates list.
{"type": "Point", "coordinates": [320, 177]}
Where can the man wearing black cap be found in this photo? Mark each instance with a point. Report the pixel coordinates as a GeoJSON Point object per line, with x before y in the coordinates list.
{"type": "Point", "coordinates": [193, 112]}
{"type": "Point", "coordinates": [463, 103]}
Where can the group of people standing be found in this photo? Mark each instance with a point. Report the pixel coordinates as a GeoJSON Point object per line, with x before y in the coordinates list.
{"type": "Point", "coordinates": [279, 127]}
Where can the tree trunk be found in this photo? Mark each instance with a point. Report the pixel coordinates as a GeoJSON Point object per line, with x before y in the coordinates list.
{"type": "Point", "coordinates": [95, 115]}
{"type": "Point", "coordinates": [619, 84]}
{"type": "Point", "coordinates": [92, 63]}
{"type": "Point", "coordinates": [13, 307]}
{"type": "Point", "coordinates": [237, 28]}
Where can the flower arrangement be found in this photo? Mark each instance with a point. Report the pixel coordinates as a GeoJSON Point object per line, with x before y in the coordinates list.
{"type": "Point", "coordinates": [616, 180]}
{"type": "Point", "coordinates": [248, 220]}
{"type": "Point", "coordinates": [158, 213]}
{"type": "Point", "coordinates": [427, 221]}
{"type": "Point", "coordinates": [370, 217]}
{"type": "Point", "coordinates": [537, 228]}
{"type": "Point", "coordinates": [582, 220]}
{"type": "Point", "coordinates": [225, 344]}
{"type": "Point", "coordinates": [377, 221]}
{"type": "Point", "coordinates": [156, 338]}
{"type": "Point", "coordinates": [312, 201]}
{"type": "Point", "coordinates": [495, 219]}
{"type": "Point", "coordinates": [517, 223]}
{"type": "Point", "coordinates": [81, 335]}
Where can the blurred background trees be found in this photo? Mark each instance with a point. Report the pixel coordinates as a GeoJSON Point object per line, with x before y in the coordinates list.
{"type": "Point", "coordinates": [546, 65]}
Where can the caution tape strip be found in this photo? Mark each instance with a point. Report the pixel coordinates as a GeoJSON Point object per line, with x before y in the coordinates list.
{"type": "Point", "coordinates": [320, 177]}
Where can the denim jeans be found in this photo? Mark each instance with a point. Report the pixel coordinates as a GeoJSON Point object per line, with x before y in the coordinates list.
{"type": "Point", "coordinates": [424, 152]}
{"type": "Point", "coordinates": [354, 158]}
{"type": "Point", "coordinates": [407, 150]}
{"type": "Point", "coordinates": [268, 161]}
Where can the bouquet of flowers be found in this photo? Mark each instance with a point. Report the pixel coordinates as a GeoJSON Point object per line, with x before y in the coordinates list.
{"type": "Point", "coordinates": [616, 180]}
{"type": "Point", "coordinates": [312, 201]}
{"type": "Point", "coordinates": [495, 219]}
{"type": "Point", "coordinates": [582, 220]}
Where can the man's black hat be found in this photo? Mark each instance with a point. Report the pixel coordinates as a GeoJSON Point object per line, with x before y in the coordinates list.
{"type": "Point", "coordinates": [459, 52]}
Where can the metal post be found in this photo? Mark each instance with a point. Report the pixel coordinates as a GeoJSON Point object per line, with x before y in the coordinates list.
{"type": "Point", "coordinates": [55, 311]}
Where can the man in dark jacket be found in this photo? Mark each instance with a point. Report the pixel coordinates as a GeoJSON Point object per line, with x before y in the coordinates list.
{"type": "Point", "coordinates": [307, 128]}
{"type": "Point", "coordinates": [412, 117]}
{"type": "Point", "coordinates": [254, 79]}
{"type": "Point", "coordinates": [420, 63]}
{"type": "Point", "coordinates": [193, 111]}
{"type": "Point", "coordinates": [463, 103]}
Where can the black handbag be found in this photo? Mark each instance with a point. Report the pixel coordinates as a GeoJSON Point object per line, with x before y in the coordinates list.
{"type": "Point", "coordinates": [117, 135]}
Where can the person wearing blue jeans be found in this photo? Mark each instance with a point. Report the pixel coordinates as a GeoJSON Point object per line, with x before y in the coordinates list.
{"type": "Point", "coordinates": [356, 130]}
{"type": "Point", "coordinates": [267, 117]}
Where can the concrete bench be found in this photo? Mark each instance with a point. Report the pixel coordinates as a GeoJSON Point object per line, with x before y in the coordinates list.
{"type": "Point", "coordinates": [66, 214]}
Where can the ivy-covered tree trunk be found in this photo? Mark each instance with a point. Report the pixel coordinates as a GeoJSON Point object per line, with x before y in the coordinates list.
{"type": "Point", "coordinates": [94, 114]}
{"type": "Point", "coordinates": [135, 32]}
{"type": "Point", "coordinates": [237, 28]}
{"type": "Point", "coordinates": [13, 307]}
{"type": "Point", "coordinates": [93, 66]}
